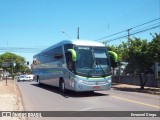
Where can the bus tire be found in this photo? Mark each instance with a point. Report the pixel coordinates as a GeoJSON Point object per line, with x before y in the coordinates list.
{"type": "Point", "coordinates": [62, 86]}
{"type": "Point", "coordinates": [38, 81]}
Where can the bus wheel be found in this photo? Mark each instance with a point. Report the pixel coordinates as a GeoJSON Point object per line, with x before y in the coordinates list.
{"type": "Point", "coordinates": [62, 86]}
{"type": "Point", "coordinates": [38, 81]}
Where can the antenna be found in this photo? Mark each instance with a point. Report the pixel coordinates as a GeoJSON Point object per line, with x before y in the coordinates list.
{"type": "Point", "coordinates": [78, 33]}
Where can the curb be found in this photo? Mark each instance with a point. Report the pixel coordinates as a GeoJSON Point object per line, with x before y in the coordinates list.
{"type": "Point", "coordinates": [19, 103]}
{"type": "Point", "coordinates": [126, 87]}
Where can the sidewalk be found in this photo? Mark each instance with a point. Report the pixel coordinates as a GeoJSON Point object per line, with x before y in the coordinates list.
{"type": "Point", "coordinates": [10, 99]}
{"type": "Point", "coordinates": [135, 88]}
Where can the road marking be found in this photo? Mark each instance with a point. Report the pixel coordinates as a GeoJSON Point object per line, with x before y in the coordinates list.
{"type": "Point", "coordinates": [85, 109]}
{"type": "Point", "coordinates": [136, 102]}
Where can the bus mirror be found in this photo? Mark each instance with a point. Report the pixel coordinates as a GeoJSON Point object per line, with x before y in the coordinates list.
{"type": "Point", "coordinates": [114, 56]}
{"type": "Point", "coordinates": [73, 53]}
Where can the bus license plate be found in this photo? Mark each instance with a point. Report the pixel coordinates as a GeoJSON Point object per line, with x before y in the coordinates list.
{"type": "Point", "coordinates": [96, 87]}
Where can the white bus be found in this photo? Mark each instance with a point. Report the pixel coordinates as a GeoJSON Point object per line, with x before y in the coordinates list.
{"type": "Point", "coordinates": [78, 65]}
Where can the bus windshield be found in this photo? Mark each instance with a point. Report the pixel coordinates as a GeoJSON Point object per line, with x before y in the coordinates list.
{"type": "Point", "coordinates": [92, 61]}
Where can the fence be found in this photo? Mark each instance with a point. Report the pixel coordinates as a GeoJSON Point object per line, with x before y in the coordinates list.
{"type": "Point", "coordinates": [134, 80]}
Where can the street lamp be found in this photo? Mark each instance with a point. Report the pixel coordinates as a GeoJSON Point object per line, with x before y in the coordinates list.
{"type": "Point", "coordinates": [62, 31]}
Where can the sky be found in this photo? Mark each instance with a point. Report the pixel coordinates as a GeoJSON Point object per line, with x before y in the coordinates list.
{"type": "Point", "coordinates": [37, 24]}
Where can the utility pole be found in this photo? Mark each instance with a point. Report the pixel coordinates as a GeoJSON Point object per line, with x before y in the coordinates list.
{"type": "Point", "coordinates": [128, 30]}
{"type": "Point", "coordinates": [78, 33]}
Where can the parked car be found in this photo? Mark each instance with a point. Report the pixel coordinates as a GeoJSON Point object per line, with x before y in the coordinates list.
{"type": "Point", "coordinates": [25, 78]}
{"type": "Point", "coordinates": [30, 77]}
{"type": "Point", "coordinates": [22, 78]}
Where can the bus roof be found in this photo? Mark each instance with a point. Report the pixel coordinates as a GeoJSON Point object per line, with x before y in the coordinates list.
{"type": "Point", "coordinates": [85, 43]}
{"type": "Point", "coordinates": [77, 42]}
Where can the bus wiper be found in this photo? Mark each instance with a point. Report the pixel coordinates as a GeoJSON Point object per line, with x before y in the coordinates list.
{"type": "Point", "coordinates": [93, 62]}
{"type": "Point", "coordinates": [97, 63]}
{"type": "Point", "coordinates": [91, 68]}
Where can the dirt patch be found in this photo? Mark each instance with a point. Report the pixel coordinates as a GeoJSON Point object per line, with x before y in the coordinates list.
{"type": "Point", "coordinates": [10, 99]}
{"type": "Point", "coordinates": [7, 89]}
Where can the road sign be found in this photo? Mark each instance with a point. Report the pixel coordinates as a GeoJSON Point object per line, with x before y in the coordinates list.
{"type": "Point", "coordinates": [6, 64]}
{"type": "Point", "coordinates": [6, 73]}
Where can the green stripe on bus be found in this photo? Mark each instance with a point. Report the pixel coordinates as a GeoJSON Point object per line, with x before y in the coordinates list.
{"type": "Point", "coordinates": [93, 78]}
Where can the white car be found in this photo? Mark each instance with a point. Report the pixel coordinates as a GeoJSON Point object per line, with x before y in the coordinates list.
{"type": "Point", "coordinates": [30, 77]}
{"type": "Point", "coordinates": [22, 78]}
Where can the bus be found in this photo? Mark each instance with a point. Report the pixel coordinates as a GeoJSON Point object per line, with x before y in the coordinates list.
{"type": "Point", "coordinates": [77, 65]}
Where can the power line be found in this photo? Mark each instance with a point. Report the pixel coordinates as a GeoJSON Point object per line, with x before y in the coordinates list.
{"type": "Point", "coordinates": [133, 14]}
{"type": "Point", "coordinates": [134, 33]}
{"type": "Point", "coordinates": [146, 23]}
{"type": "Point", "coordinates": [146, 27]}
{"type": "Point", "coordinates": [18, 49]}
{"type": "Point", "coordinates": [138, 11]}
{"type": "Point", "coordinates": [128, 29]}
{"type": "Point", "coordinates": [34, 50]}
{"type": "Point", "coordinates": [111, 35]}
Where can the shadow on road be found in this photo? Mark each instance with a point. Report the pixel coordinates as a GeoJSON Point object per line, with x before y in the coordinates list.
{"type": "Point", "coordinates": [127, 89]}
{"type": "Point", "coordinates": [132, 89]}
{"type": "Point", "coordinates": [68, 92]}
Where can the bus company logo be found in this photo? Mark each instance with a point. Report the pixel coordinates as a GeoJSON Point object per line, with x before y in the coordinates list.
{"type": "Point", "coordinates": [96, 83]}
{"type": "Point", "coordinates": [6, 114]}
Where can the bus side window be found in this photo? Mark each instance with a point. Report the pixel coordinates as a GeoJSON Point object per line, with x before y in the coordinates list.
{"type": "Point", "coordinates": [69, 61]}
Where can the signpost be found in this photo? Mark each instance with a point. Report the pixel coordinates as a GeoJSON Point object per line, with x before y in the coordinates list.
{"type": "Point", "coordinates": [5, 65]}
{"type": "Point", "coordinates": [6, 75]}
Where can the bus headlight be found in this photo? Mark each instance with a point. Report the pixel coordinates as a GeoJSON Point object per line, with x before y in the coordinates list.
{"type": "Point", "coordinates": [109, 81]}
{"type": "Point", "coordinates": [82, 81]}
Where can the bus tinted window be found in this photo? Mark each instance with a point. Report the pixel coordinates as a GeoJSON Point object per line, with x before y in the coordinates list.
{"type": "Point", "coordinates": [49, 55]}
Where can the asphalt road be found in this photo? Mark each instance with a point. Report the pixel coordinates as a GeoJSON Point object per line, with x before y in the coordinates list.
{"type": "Point", "coordinates": [46, 98]}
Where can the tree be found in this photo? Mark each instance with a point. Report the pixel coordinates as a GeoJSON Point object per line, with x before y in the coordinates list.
{"type": "Point", "coordinates": [122, 54]}
{"type": "Point", "coordinates": [154, 48]}
{"type": "Point", "coordinates": [139, 59]}
{"type": "Point", "coordinates": [140, 55]}
{"type": "Point", "coordinates": [20, 62]}
{"type": "Point", "coordinates": [123, 51]}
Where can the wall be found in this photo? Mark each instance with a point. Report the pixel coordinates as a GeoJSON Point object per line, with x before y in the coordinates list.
{"type": "Point", "coordinates": [134, 80]}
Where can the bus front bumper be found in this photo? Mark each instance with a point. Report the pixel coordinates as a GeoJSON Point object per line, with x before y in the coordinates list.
{"type": "Point", "coordinates": [93, 86]}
